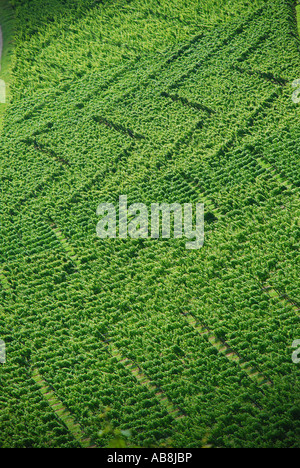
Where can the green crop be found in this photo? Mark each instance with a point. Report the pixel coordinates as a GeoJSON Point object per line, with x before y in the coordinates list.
{"type": "Point", "coordinates": [162, 101]}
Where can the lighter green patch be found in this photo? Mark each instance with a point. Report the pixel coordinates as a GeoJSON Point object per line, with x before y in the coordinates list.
{"type": "Point", "coordinates": [7, 32]}
{"type": "Point", "coordinates": [298, 17]}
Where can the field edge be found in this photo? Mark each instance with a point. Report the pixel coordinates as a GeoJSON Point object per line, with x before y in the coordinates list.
{"type": "Point", "coordinates": [7, 24]}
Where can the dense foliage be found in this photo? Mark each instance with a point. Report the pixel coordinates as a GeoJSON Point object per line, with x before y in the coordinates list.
{"type": "Point", "coordinates": [158, 101]}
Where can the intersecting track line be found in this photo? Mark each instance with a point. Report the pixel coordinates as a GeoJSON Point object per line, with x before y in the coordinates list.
{"type": "Point", "coordinates": [61, 411]}
{"type": "Point", "coordinates": [65, 244]}
{"type": "Point", "coordinates": [182, 140]}
{"type": "Point", "coordinates": [186, 102]}
{"type": "Point", "coordinates": [33, 192]}
{"type": "Point", "coordinates": [185, 50]}
{"type": "Point", "coordinates": [245, 130]}
{"type": "Point", "coordinates": [263, 162]}
{"type": "Point", "coordinates": [61, 172]}
{"type": "Point", "coordinates": [225, 349]}
{"type": "Point", "coordinates": [142, 378]}
{"type": "Point", "coordinates": [181, 51]}
{"type": "Point", "coordinates": [263, 75]}
{"type": "Point", "coordinates": [157, 69]}
{"type": "Point", "coordinates": [224, 148]}
{"type": "Point", "coordinates": [99, 175]}
{"type": "Point", "coordinates": [194, 68]}
{"type": "Point", "coordinates": [284, 298]}
{"type": "Point", "coordinates": [43, 149]}
{"type": "Point", "coordinates": [118, 127]}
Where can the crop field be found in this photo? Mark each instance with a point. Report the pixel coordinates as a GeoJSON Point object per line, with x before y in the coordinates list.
{"type": "Point", "coordinates": [141, 341]}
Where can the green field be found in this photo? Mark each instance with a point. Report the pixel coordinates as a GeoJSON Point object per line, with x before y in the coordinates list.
{"type": "Point", "coordinates": [163, 101]}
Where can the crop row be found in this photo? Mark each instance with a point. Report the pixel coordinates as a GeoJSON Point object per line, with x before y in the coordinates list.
{"type": "Point", "coordinates": [60, 152]}
{"type": "Point", "coordinates": [101, 37]}
{"type": "Point", "coordinates": [67, 327]}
